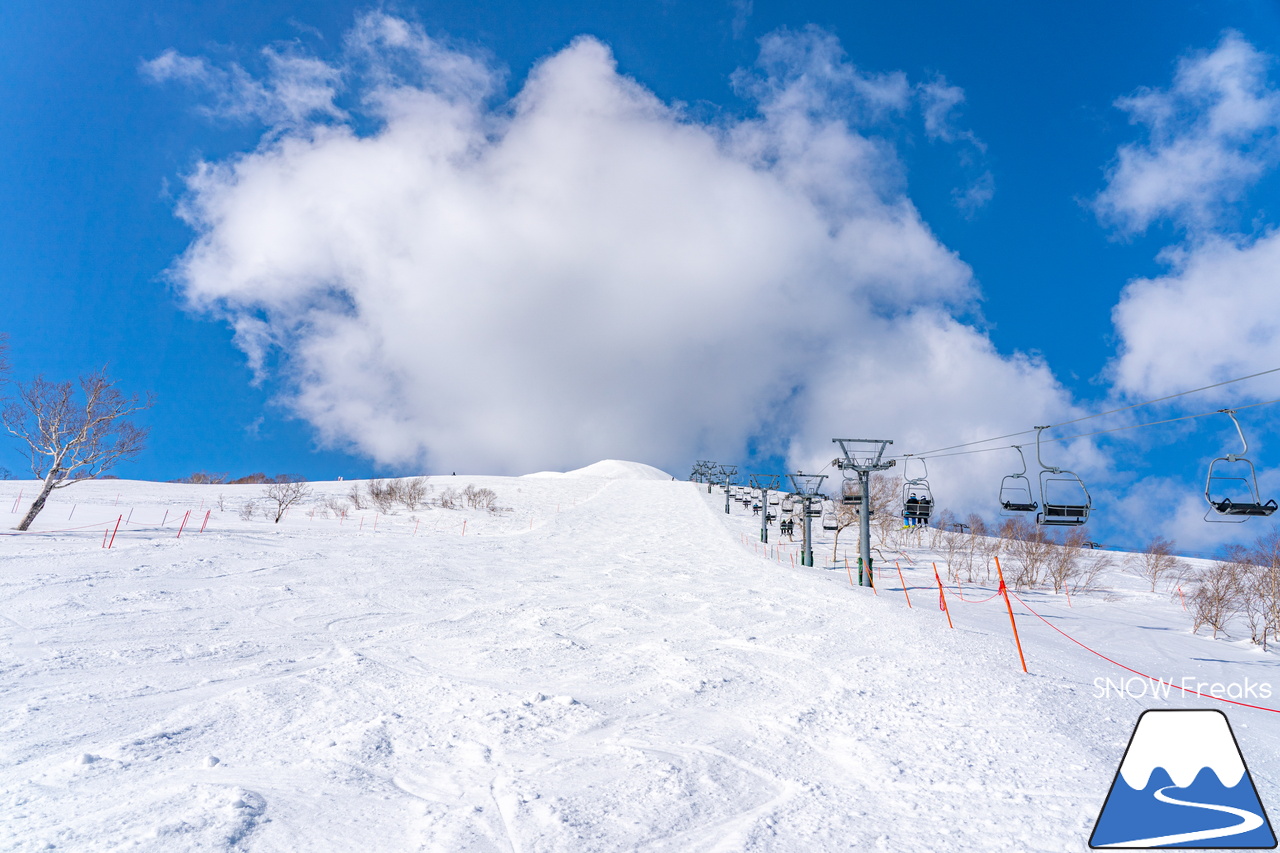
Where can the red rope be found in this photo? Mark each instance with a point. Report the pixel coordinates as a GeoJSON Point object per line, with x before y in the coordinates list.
{"type": "Point", "coordinates": [975, 600]}
{"type": "Point", "coordinates": [1136, 672]}
{"type": "Point", "coordinates": [63, 530]}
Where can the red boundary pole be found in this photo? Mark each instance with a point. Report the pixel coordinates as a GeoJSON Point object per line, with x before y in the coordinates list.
{"type": "Point", "coordinates": [113, 533]}
{"type": "Point", "coordinates": [904, 585]}
{"type": "Point", "coordinates": [942, 597]}
{"type": "Point", "coordinates": [1004, 590]}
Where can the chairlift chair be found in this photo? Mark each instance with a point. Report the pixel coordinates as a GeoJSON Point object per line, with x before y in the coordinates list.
{"type": "Point", "coordinates": [1016, 494]}
{"type": "Point", "coordinates": [829, 520]}
{"type": "Point", "coordinates": [787, 503]}
{"type": "Point", "coordinates": [917, 497]}
{"type": "Point", "coordinates": [1231, 486]}
{"type": "Point", "coordinates": [1064, 500]}
{"type": "Point", "coordinates": [815, 508]}
{"type": "Point", "coordinates": [851, 491]}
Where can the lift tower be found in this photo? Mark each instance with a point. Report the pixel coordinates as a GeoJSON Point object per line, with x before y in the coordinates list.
{"type": "Point", "coordinates": [728, 471]}
{"type": "Point", "coordinates": [765, 483]}
{"type": "Point", "coordinates": [863, 455]}
{"type": "Point", "coordinates": [806, 486]}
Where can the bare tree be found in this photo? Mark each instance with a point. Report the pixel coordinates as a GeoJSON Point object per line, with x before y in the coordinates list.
{"type": "Point", "coordinates": [1157, 561]}
{"type": "Point", "coordinates": [1217, 596]}
{"type": "Point", "coordinates": [1030, 549]}
{"type": "Point", "coordinates": [69, 439]}
{"type": "Point", "coordinates": [285, 495]}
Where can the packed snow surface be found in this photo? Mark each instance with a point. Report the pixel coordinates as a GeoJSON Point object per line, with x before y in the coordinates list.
{"type": "Point", "coordinates": [612, 469]}
{"type": "Point", "coordinates": [601, 663]}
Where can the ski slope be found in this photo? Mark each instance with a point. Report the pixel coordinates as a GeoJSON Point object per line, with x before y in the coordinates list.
{"type": "Point", "coordinates": [608, 664]}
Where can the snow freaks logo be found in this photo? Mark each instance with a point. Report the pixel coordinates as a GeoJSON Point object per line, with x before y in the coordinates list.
{"type": "Point", "coordinates": [1158, 688]}
{"type": "Point", "coordinates": [1183, 783]}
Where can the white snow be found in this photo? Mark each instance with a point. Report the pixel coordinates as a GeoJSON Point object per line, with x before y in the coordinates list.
{"type": "Point", "coordinates": [1183, 743]}
{"type": "Point", "coordinates": [609, 663]}
{"type": "Point", "coordinates": [612, 469]}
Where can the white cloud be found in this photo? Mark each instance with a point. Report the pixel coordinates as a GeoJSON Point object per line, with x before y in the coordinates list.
{"type": "Point", "coordinates": [585, 272]}
{"type": "Point", "coordinates": [1215, 316]}
{"type": "Point", "coordinates": [297, 88]}
{"type": "Point", "coordinates": [940, 104]}
{"type": "Point", "coordinates": [1210, 136]}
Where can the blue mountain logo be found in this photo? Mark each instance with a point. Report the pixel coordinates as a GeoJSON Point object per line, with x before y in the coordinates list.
{"type": "Point", "coordinates": [1183, 783]}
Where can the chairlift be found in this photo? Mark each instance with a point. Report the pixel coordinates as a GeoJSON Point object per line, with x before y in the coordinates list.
{"type": "Point", "coordinates": [814, 509]}
{"type": "Point", "coordinates": [773, 498]}
{"type": "Point", "coordinates": [851, 492]}
{"type": "Point", "coordinates": [829, 520]}
{"type": "Point", "coordinates": [917, 498]}
{"type": "Point", "coordinates": [1231, 487]}
{"type": "Point", "coordinates": [787, 503]}
{"type": "Point", "coordinates": [1016, 494]}
{"type": "Point", "coordinates": [1065, 502]}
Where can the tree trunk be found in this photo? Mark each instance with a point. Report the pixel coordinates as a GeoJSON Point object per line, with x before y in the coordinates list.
{"type": "Point", "coordinates": [38, 503]}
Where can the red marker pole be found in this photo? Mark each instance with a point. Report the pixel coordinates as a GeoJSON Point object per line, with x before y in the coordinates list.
{"type": "Point", "coordinates": [184, 523]}
{"type": "Point", "coordinates": [113, 533]}
{"type": "Point", "coordinates": [904, 586]}
{"type": "Point", "coordinates": [942, 597]}
{"type": "Point", "coordinates": [104, 537]}
{"type": "Point", "coordinates": [1005, 592]}
{"type": "Point", "coordinates": [206, 519]}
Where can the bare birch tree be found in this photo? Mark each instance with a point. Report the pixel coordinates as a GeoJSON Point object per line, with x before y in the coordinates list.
{"type": "Point", "coordinates": [1157, 561]}
{"type": "Point", "coordinates": [72, 436]}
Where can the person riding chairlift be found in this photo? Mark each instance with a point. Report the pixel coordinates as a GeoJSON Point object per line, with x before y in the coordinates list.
{"type": "Point", "coordinates": [913, 507]}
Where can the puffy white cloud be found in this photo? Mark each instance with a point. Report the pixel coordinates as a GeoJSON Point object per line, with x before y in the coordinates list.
{"type": "Point", "coordinates": [1210, 136]}
{"type": "Point", "coordinates": [586, 272]}
{"type": "Point", "coordinates": [1214, 316]}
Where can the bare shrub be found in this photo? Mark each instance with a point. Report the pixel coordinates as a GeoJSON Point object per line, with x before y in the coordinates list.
{"type": "Point", "coordinates": [283, 496]}
{"type": "Point", "coordinates": [247, 511]}
{"type": "Point", "coordinates": [1156, 562]}
{"type": "Point", "coordinates": [479, 498]}
{"type": "Point", "coordinates": [382, 494]}
{"type": "Point", "coordinates": [221, 504]}
{"type": "Point", "coordinates": [449, 497]}
{"type": "Point", "coordinates": [413, 493]}
{"type": "Point", "coordinates": [337, 506]}
{"type": "Point", "coordinates": [356, 496]}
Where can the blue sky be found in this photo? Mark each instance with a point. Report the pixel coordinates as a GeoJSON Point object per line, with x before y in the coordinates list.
{"type": "Point", "coordinates": [103, 136]}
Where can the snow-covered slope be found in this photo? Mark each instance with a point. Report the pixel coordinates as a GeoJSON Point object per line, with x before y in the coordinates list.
{"type": "Point", "coordinates": [612, 469]}
{"type": "Point", "coordinates": [607, 664]}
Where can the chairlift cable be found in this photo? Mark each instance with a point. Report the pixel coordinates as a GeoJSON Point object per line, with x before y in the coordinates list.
{"type": "Point", "coordinates": [1104, 431]}
{"type": "Point", "coordinates": [1099, 415]}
